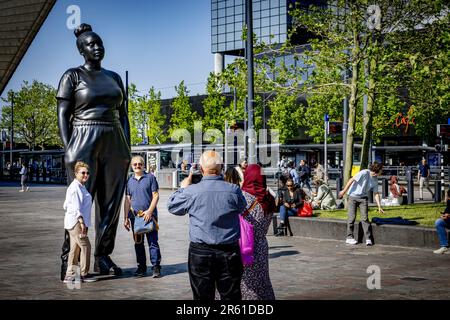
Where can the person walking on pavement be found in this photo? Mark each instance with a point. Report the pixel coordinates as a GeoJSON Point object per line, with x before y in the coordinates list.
{"type": "Point", "coordinates": [213, 205]}
{"type": "Point", "coordinates": [423, 177]}
{"type": "Point", "coordinates": [358, 188]}
{"type": "Point", "coordinates": [23, 178]}
{"type": "Point", "coordinates": [142, 194]}
{"type": "Point", "coordinates": [304, 173]}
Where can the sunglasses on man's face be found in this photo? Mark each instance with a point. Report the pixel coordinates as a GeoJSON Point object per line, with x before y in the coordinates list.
{"type": "Point", "coordinates": [138, 164]}
{"type": "Point", "coordinates": [83, 172]}
{"type": "Point", "coordinates": [289, 185]}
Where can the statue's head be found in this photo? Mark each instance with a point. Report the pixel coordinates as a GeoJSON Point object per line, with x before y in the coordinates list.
{"type": "Point", "coordinates": [89, 44]}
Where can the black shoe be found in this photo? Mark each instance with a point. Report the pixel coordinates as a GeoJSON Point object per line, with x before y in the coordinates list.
{"type": "Point", "coordinates": [140, 271]}
{"type": "Point", "coordinates": [88, 278]}
{"type": "Point", "coordinates": [280, 233]}
{"type": "Point", "coordinates": [156, 271]}
{"type": "Point", "coordinates": [101, 265]}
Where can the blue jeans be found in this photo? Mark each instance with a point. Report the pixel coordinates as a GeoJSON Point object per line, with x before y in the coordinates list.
{"type": "Point", "coordinates": [284, 212]}
{"type": "Point", "coordinates": [442, 233]}
{"type": "Point", "coordinates": [153, 247]}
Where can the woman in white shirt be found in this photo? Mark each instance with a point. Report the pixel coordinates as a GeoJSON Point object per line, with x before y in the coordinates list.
{"type": "Point", "coordinates": [77, 220]}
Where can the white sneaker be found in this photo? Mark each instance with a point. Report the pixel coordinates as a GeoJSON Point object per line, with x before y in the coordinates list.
{"type": "Point", "coordinates": [369, 242]}
{"type": "Point", "coordinates": [441, 250]}
{"type": "Point", "coordinates": [21, 190]}
{"type": "Point", "coordinates": [351, 241]}
{"type": "Point", "coordinates": [28, 189]}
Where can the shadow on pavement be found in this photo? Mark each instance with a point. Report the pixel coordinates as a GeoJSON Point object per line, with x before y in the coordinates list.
{"type": "Point", "coordinates": [283, 253]}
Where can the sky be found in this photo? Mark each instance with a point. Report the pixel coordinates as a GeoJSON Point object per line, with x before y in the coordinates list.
{"type": "Point", "coordinates": [159, 42]}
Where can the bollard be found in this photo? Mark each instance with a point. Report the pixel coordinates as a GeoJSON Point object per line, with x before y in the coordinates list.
{"type": "Point", "coordinates": [338, 186]}
{"type": "Point", "coordinates": [385, 187]}
{"type": "Point", "coordinates": [437, 191]}
{"type": "Point", "coordinates": [410, 182]}
{"type": "Point", "coordinates": [370, 196]}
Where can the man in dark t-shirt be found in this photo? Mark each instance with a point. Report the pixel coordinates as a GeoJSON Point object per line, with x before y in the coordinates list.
{"type": "Point", "coordinates": [142, 196]}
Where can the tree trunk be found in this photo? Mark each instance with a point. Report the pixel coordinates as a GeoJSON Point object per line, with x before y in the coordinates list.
{"type": "Point", "coordinates": [368, 119]}
{"type": "Point", "coordinates": [352, 102]}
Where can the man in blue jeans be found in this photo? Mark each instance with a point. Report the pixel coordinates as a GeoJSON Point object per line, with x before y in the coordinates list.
{"type": "Point", "coordinates": [441, 224]}
{"type": "Point", "coordinates": [142, 194]}
{"type": "Point", "coordinates": [213, 205]}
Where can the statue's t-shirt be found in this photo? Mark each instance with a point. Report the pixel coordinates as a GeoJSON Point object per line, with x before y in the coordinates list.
{"type": "Point", "coordinates": [96, 95]}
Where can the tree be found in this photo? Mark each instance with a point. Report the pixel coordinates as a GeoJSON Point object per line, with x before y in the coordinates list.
{"type": "Point", "coordinates": [215, 111]}
{"type": "Point", "coordinates": [146, 117]}
{"type": "Point", "coordinates": [362, 38]}
{"type": "Point", "coordinates": [183, 117]}
{"type": "Point", "coordinates": [35, 117]}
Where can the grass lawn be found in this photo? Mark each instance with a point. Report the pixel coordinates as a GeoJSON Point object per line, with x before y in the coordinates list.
{"type": "Point", "coordinates": [424, 213]}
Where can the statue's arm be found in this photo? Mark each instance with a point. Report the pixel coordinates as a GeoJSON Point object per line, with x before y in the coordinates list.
{"type": "Point", "coordinates": [65, 110]}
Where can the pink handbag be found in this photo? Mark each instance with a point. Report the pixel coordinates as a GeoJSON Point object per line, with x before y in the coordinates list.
{"type": "Point", "coordinates": [247, 239]}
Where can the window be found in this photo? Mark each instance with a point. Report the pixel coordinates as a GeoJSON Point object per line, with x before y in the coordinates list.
{"type": "Point", "coordinates": [221, 38]}
{"type": "Point", "coordinates": [214, 22]}
{"type": "Point", "coordinates": [213, 30]}
{"type": "Point", "coordinates": [238, 10]}
{"type": "Point", "coordinates": [274, 20]}
{"type": "Point", "coordinates": [274, 3]}
{"type": "Point", "coordinates": [214, 39]}
{"type": "Point", "coordinates": [274, 11]}
{"type": "Point", "coordinates": [221, 5]}
{"type": "Point", "coordinates": [214, 14]}
{"type": "Point", "coordinates": [221, 47]}
{"type": "Point", "coordinates": [230, 19]}
{"type": "Point", "coordinates": [238, 44]}
{"type": "Point", "coordinates": [265, 22]}
{"type": "Point", "coordinates": [238, 26]}
{"type": "Point", "coordinates": [274, 29]}
{"type": "Point", "coordinates": [265, 13]}
{"type": "Point", "coordinates": [214, 6]}
{"type": "Point", "coordinates": [221, 21]}
{"type": "Point", "coordinates": [221, 29]}
{"type": "Point", "coordinates": [230, 27]}
{"type": "Point", "coordinates": [256, 6]}
{"type": "Point", "coordinates": [230, 11]}
{"type": "Point", "coordinates": [265, 5]}
{"type": "Point", "coordinates": [214, 48]}
{"type": "Point", "coordinates": [257, 23]}
{"type": "Point", "coordinates": [256, 15]}
{"type": "Point", "coordinates": [221, 13]}
{"type": "Point", "coordinates": [282, 19]}
{"type": "Point", "coordinates": [265, 31]}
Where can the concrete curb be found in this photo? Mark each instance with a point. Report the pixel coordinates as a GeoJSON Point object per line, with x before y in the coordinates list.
{"type": "Point", "coordinates": [395, 235]}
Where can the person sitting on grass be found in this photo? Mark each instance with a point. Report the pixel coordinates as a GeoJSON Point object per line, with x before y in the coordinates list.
{"type": "Point", "coordinates": [323, 199]}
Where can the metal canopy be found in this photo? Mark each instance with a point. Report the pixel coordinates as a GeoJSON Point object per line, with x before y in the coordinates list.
{"type": "Point", "coordinates": [20, 21]}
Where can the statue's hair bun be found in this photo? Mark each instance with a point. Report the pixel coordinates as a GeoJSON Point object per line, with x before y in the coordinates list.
{"type": "Point", "coordinates": [82, 28]}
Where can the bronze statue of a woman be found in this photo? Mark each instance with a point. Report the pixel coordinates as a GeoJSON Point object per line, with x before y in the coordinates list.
{"type": "Point", "coordinates": [94, 128]}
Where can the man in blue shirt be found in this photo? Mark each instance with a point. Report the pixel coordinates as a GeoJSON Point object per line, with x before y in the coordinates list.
{"type": "Point", "coordinates": [213, 206]}
{"type": "Point", "coordinates": [358, 196]}
{"type": "Point", "coordinates": [142, 194]}
{"type": "Point", "coordinates": [423, 177]}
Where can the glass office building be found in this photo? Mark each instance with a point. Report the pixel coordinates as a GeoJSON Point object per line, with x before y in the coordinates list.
{"type": "Point", "coordinates": [271, 22]}
{"type": "Point", "coordinates": [228, 20]}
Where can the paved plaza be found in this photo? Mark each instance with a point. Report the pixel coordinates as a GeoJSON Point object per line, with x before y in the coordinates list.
{"type": "Point", "coordinates": [300, 268]}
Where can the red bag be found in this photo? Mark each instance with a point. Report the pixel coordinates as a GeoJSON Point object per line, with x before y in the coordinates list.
{"type": "Point", "coordinates": [306, 210]}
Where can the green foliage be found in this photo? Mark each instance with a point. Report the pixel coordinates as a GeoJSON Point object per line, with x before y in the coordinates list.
{"type": "Point", "coordinates": [183, 116]}
{"type": "Point", "coordinates": [215, 112]}
{"type": "Point", "coordinates": [146, 117]}
{"type": "Point", "coordinates": [35, 116]}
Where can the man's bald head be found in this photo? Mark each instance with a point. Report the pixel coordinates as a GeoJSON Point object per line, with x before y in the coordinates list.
{"type": "Point", "coordinates": [211, 163]}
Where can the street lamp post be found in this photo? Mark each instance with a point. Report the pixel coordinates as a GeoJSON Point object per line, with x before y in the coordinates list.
{"type": "Point", "coordinates": [325, 150]}
{"type": "Point", "coordinates": [12, 129]}
{"type": "Point", "coordinates": [250, 94]}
